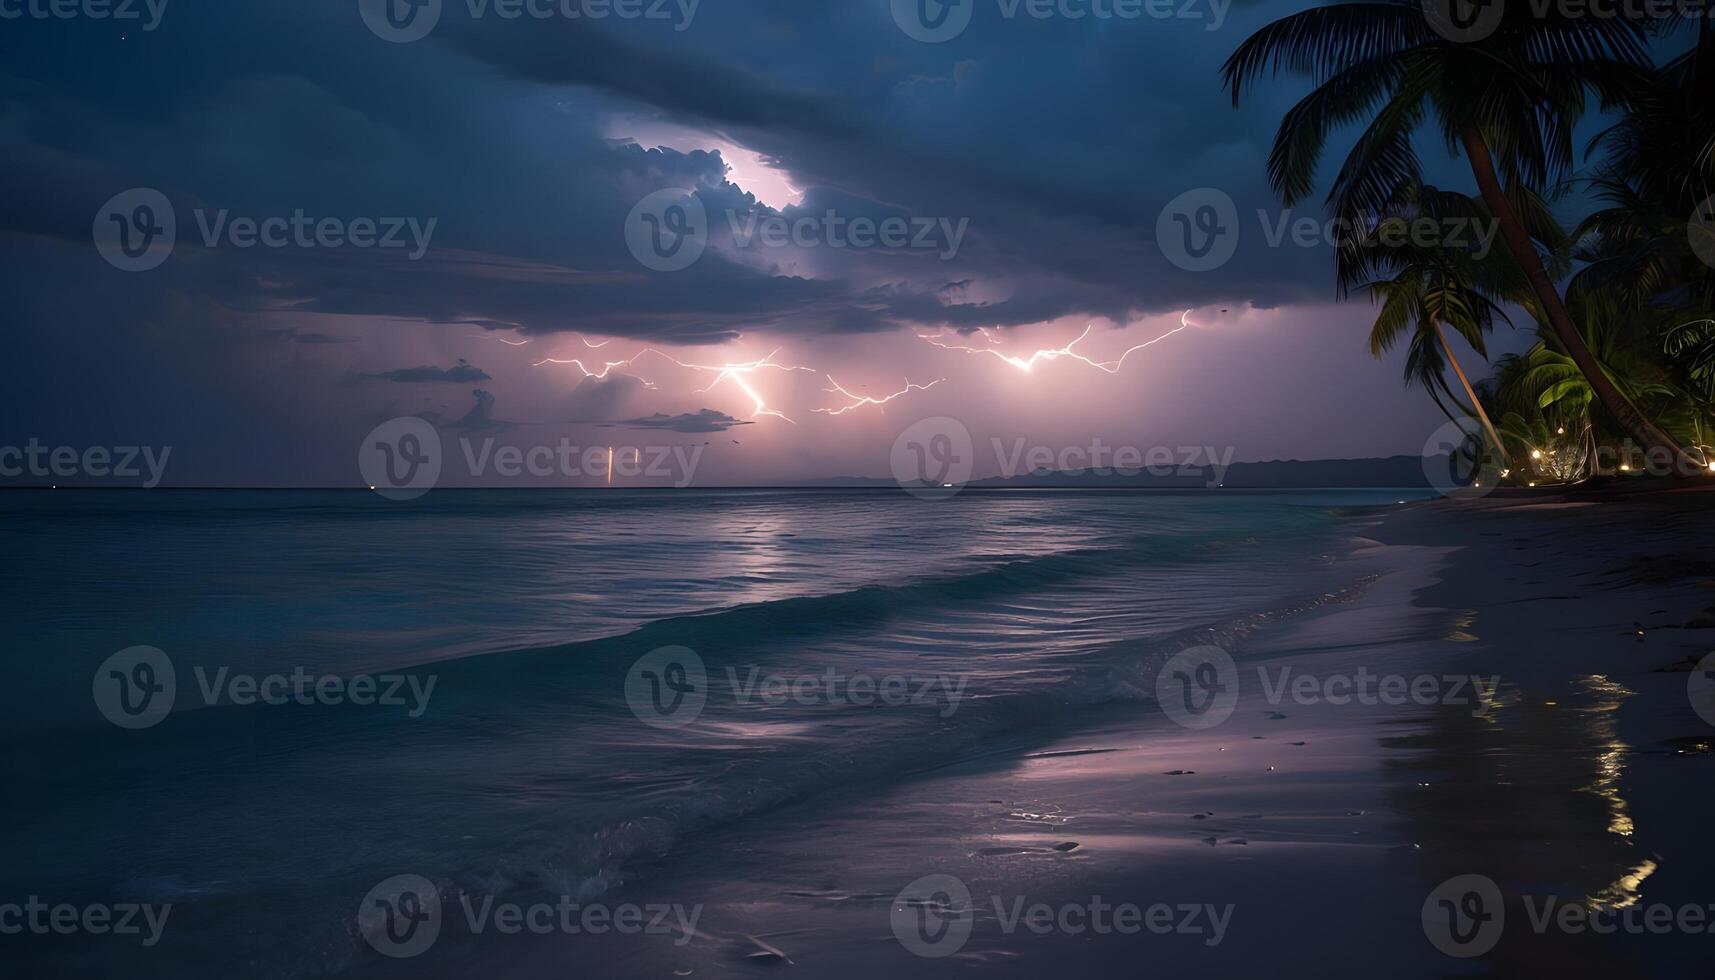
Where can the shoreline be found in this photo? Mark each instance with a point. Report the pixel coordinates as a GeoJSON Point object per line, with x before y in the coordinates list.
{"type": "Point", "coordinates": [1323, 826]}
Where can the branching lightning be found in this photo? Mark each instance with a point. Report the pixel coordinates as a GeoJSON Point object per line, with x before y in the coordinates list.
{"type": "Point", "coordinates": [735, 372]}
{"type": "Point", "coordinates": [859, 401]}
{"type": "Point", "coordinates": [739, 373]}
{"type": "Point", "coordinates": [1053, 354]}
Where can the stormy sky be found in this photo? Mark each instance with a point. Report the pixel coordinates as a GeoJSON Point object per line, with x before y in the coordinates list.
{"type": "Point", "coordinates": [381, 210]}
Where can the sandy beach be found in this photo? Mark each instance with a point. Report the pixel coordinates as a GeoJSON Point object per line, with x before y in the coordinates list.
{"type": "Point", "coordinates": [1558, 756]}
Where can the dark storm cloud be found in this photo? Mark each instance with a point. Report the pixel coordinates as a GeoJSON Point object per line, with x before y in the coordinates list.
{"type": "Point", "coordinates": [481, 415]}
{"type": "Point", "coordinates": [706, 420]}
{"type": "Point", "coordinates": [463, 372]}
{"type": "Point", "coordinates": [1055, 145]}
{"type": "Point", "coordinates": [1056, 141]}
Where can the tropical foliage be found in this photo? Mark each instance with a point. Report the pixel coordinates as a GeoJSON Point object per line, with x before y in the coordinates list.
{"type": "Point", "coordinates": [1622, 305]}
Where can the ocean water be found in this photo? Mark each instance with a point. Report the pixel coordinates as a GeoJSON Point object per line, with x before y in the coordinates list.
{"type": "Point", "coordinates": [555, 752]}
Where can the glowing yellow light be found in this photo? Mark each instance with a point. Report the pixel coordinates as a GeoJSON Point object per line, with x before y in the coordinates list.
{"type": "Point", "coordinates": [1536, 454]}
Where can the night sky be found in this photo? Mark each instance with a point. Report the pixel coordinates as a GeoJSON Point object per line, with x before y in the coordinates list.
{"type": "Point", "coordinates": [1027, 159]}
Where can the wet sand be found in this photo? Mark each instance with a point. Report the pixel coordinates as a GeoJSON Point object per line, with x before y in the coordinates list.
{"type": "Point", "coordinates": [1300, 837]}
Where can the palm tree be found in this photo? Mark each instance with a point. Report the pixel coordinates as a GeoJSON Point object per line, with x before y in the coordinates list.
{"type": "Point", "coordinates": [1544, 388]}
{"type": "Point", "coordinates": [1657, 166]}
{"type": "Point", "coordinates": [1512, 97]}
{"type": "Point", "coordinates": [1421, 298]}
{"type": "Point", "coordinates": [1422, 287]}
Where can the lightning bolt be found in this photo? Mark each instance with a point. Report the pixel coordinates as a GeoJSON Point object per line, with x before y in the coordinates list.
{"type": "Point", "coordinates": [1053, 354]}
{"type": "Point", "coordinates": [509, 343]}
{"type": "Point", "coordinates": [735, 373]}
{"type": "Point", "coordinates": [858, 401]}
{"type": "Point", "coordinates": [598, 375]}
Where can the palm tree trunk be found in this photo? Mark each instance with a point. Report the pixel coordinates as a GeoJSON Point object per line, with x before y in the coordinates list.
{"type": "Point", "coordinates": [1647, 433]}
{"type": "Point", "coordinates": [1464, 382]}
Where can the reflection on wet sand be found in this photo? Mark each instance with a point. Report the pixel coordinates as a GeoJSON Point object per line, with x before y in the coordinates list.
{"type": "Point", "coordinates": [1531, 795]}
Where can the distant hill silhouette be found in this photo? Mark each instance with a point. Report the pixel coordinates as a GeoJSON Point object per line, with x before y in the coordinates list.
{"type": "Point", "coordinates": [1389, 471]}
